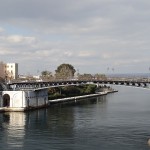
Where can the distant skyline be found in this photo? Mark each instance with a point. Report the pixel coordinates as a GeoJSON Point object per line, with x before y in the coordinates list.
{"type": "Point", "coordinates": [91, 35]}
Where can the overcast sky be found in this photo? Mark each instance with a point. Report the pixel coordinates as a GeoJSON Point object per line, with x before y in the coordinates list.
{"type": "Point", "coordinates": [95, 36]}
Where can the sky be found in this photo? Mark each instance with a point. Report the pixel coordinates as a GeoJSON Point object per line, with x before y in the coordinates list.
{"type": "Point", "coordinates": [94, 36]}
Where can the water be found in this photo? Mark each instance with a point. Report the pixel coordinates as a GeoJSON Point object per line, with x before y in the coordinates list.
{"type": "Point", "coordinates": [118, 121]}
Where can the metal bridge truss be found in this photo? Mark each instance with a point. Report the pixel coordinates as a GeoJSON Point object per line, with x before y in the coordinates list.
{"type": "Point", "coordinates": [44, 85]}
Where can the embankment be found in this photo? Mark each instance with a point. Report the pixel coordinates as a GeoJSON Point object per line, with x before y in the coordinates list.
{"type": "Point", "coordinates": [83, 97]}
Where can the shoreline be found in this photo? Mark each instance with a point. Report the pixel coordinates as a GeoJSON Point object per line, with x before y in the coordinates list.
{"type": "Point", "coordinates": [56, 101]}
{"type": "Point", "coordinates": [75, 98]}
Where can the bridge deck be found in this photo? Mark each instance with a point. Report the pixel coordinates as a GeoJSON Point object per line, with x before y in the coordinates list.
{"type": "Point", "coordinates": [44, 85]}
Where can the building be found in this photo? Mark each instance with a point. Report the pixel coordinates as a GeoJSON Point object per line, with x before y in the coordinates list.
{"type": "Point", "coordinates": [11, 70]}
{"type": "Point", "coordinates": [2, 70]}
{"type": "Point", "coordinates": [23, 100]}
{"type": "Point", "coordinates": [8, 71]}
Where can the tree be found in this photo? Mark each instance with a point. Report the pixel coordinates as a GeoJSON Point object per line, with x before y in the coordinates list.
{"type": "Point", "coordinates": [70, 90]}
{"type": "Point", "coordinates": [46, 75]}
{"type": "Point", "coordinates": [2, 79]}
{"type": "Point", "coordinates": [91, 88]}
{"type": "Point", "coordinates": [65, 71]}
{"type": "Point", "coordinates": [85, 76]}
{"type": "Point", "coordinates": [100, 76]}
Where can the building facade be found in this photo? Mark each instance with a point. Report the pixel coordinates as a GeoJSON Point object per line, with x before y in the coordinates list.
{"type": "Point", "coordinates": [8, 71]}
{"type": "Point", "coordinates": [23, 100]}
{"type": "Point", "coordinates": [11, 70]}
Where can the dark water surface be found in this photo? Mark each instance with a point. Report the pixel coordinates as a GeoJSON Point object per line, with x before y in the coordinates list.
{"type": "Point", "coordinates": [119, 121]}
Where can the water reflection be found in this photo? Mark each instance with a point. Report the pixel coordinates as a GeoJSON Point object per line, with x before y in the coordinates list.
{"type": "Point", "coordinates": [116, 121]}
{"type": "Point", "coordinates": [14, 129]}
{"type": "Point", "coordinates": [46, 127]}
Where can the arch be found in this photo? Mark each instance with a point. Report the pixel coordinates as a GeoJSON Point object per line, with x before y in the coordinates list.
{"type": "Point", "coordinates": [6, 100]}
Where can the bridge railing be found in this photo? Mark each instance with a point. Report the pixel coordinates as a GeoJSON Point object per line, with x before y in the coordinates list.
{"type": "Point", "coordinates": [39, 85]}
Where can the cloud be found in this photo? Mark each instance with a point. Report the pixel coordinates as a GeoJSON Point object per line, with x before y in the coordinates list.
{"type": "Point", "coordinates": [7, 52]}
{"type": "Point", "coordinates": [86, 54]}
{"type": "Point", "coordinates": [1, 29]}
{"type": "Point", "coordinates": [90, 34]}
{"type": "Point", "coordinates": [19, 39]}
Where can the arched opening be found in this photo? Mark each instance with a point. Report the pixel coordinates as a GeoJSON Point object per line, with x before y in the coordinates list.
{"type": "Point", "coordinates": [6, 100]}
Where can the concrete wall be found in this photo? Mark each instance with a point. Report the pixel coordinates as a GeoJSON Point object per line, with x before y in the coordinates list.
{"type": "Point", "coordinates": [36, 98]}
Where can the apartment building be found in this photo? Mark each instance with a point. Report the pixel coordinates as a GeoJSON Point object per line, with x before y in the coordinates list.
{"type": "Point", "coordinates": [8, 71]}
{"type": "Point", "coordinates": [11, 70]}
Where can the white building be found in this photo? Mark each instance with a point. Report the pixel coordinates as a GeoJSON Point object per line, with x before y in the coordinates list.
{"type": "Point", "coordinates": [11, 70]}
{"type": "Point", "coordinates": [8, 71]}
{"type": "Point", "coordinates": [23, 100]}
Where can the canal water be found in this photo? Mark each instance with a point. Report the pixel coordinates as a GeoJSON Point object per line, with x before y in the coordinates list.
{"type": "Point", "coordinates": [118, 121]}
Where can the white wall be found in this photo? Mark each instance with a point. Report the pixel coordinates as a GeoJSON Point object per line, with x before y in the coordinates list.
{"type": "Point", "coordinates": [12, 70]}
{"type": "Point", "coordinates": [19, 99]}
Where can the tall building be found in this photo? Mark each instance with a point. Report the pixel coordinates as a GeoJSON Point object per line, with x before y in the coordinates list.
{"type": "Point", "coordinates": [2, 70]}
{"type": "Point", "coordinates": [11, 70]}
{"type": "Point", "coordinates": [8, 71]}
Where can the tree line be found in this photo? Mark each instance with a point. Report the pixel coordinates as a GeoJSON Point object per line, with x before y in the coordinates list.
{"type": "Point", "coordinates": [67, 72]}
{"type": "Point", "coordinates": [70, 91]}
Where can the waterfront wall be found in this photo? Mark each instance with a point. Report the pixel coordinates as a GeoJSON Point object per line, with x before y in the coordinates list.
{"type": "Point", "coordinates": [26, 100]}
{"type": "Point", "coordinates": [70, 99]}
{"type": "Point", "coordinates": [23, 100]}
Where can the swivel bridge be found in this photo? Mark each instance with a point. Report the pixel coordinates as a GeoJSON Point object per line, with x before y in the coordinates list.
{"type": "Point", "coordinates": [44, 85]}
